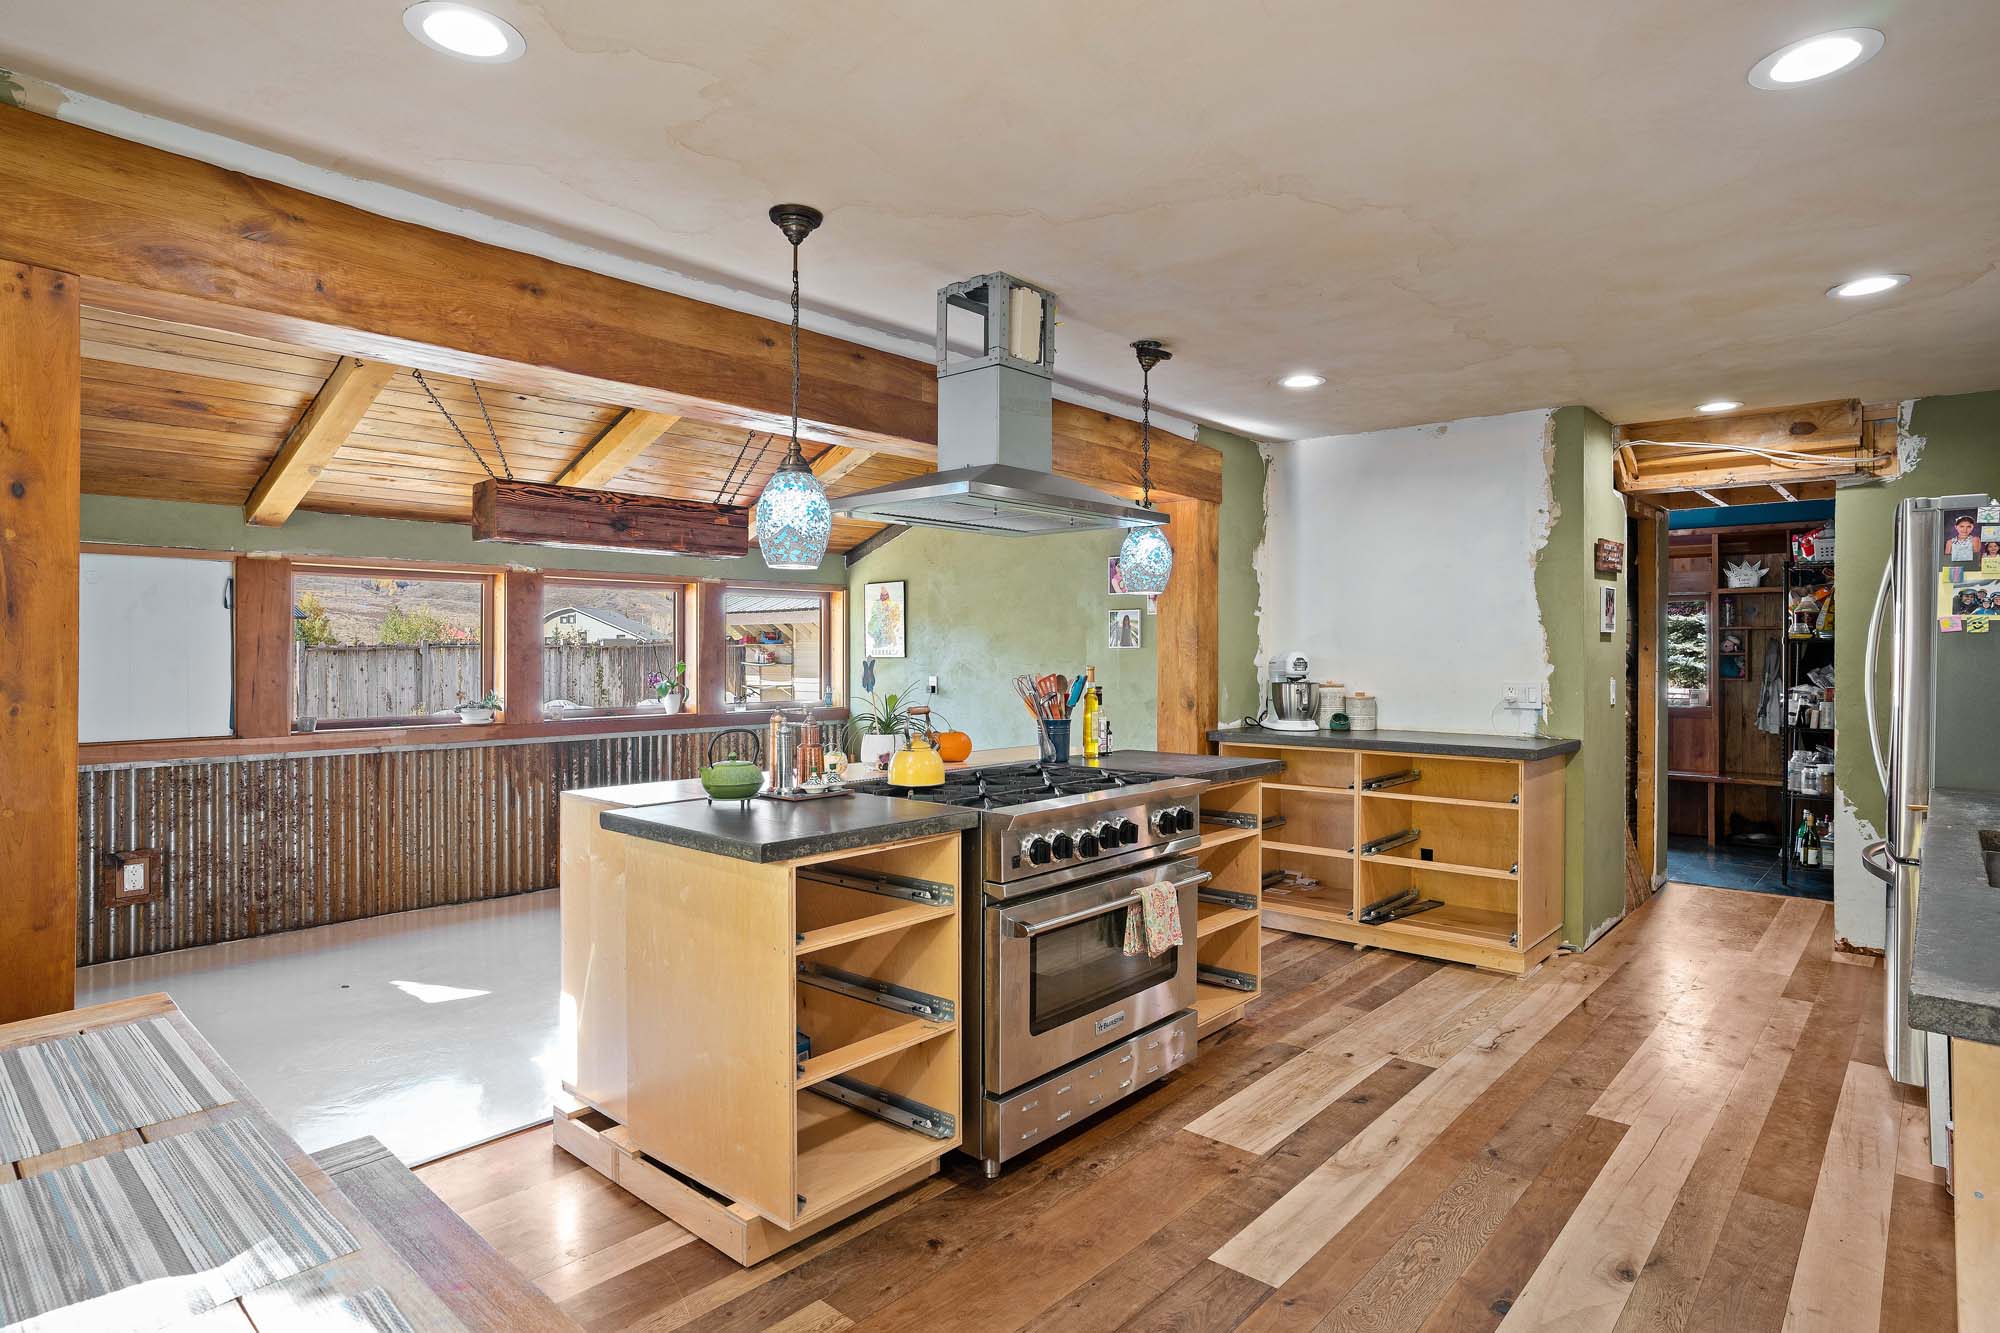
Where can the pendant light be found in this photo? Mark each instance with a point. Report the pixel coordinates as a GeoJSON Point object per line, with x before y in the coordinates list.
{"type": "Point", "coordinates": [1146, 561]}
{"type": "Point", "coordinates": [794, 518]}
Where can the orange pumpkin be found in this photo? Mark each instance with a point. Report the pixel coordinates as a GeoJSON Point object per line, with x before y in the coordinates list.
{"type": "Point", "coordinates": [954, 746]}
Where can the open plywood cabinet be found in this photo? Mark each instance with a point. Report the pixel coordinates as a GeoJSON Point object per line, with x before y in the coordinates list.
{"type": "Point", "coordinates": [1482, 837]}
{"type": "Point", "coordinates": [779, 1047]}
{"type": "Point", "coordinates": [1228, 927]}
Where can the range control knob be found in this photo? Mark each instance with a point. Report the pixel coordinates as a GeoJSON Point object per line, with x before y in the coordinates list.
{"type": "Point", "coordinates": [1086, 842]}
{"type": "Point", "coordinates": [1128, 832]}
{"type": "Point", "coordinates": [1037, 849]}
{"type": "Point", "coordinates": [1107, 834]}
{"type": "Point", "coordinates": [1183, 819]}
{"type": "Point", "coordinates": [1063, 846]}
{"type": "Point", "coordinates": [1163, 823]}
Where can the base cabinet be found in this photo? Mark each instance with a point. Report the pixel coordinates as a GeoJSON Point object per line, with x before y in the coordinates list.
{"type": "Point", "coordinates": [1480, 840]}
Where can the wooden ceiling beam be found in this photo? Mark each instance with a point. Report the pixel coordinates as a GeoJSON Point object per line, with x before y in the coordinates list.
{"type": "Point", "coordinates": [837, 462]}
{"type": "Point", "coordinates": [617, 449]}
{"type": "Point", "coordinates": [343, 400]}
{"type": "Point", "coordinates": [165, 237]}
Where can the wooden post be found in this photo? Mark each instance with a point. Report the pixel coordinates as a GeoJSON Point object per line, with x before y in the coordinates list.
{"type": "Point", "coordinates": [1189, 671]}
{"type": "Point", "coordinates": [709, 654]}
{"type": "Point", "coordinates": [41, 383]}
{"type": "Point", "coordinates": [263, 647]}
{"type": "Point", "coordinates": [520, 649]}
{"type": "Point", "coordinates": [1646, 566]}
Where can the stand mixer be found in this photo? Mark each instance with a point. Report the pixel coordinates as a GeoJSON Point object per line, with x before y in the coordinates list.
{"type": "Point", "coordinates": [1293, 699]}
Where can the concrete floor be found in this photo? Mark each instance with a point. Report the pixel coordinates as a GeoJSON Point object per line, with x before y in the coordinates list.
{"type": "Point", "coordinates": [1693, 861]}
{"type": "Point", "coordinates": [431, 1030]}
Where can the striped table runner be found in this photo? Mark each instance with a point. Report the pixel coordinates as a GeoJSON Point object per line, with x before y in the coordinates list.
{"type": "Point", "coordinates": [159, 1233]}
{"type": "Point", "coordinates": [56, 1094]}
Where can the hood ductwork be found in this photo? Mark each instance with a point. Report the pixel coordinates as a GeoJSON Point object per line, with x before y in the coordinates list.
{"type": "Point", "coordinates": [996, 450]}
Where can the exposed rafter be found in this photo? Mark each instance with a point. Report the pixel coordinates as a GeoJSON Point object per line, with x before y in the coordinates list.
{"type": "Point", "coordinates": [345, 398]}
{"type": "Point", "coordinates": [615, 450]}
{"type": "Point", "coordinates": [837, 462]}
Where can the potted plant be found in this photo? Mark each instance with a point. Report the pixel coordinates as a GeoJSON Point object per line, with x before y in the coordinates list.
{"type": "Point", "coordinates": [479, 712]}
{"type": "Point", "coordinates": [669, 687]}
{"type": "Point", "coordinates": [873, 729]}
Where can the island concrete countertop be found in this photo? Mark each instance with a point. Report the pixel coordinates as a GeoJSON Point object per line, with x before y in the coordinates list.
{"type": "Point", "coordinates": [767, 831]}
{"type": "Point", "coordinates": [1468, 745]}
{"type": "Point", "coordinates": [1955, 972]}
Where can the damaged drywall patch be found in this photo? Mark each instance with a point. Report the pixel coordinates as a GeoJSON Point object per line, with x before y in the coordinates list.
{"type": "Point", "coordinates": [1909, 448]}
{"type": "Point", "coordinates": [1857, 896]}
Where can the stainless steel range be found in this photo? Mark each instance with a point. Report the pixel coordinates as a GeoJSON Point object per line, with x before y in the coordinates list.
{"type": "Point", "coordinates": [1061, 1024]}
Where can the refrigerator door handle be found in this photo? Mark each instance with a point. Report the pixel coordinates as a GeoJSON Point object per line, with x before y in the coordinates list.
{"type": "Point", "coordinates": [1875, 620]}
{"type": "Point", "coordinates": [1875, 858]}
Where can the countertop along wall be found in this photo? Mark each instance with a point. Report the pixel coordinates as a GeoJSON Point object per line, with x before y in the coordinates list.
{"type": "Point", "coordinates": [1951, 447]}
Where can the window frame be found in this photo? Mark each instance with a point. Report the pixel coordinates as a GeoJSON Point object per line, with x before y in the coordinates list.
{"type": "Point", "coordinates": [489, 628]}
{"type": "Point", "coordinates": [683, 590]}
{"type": "Point", "coordinates": [829, 600]}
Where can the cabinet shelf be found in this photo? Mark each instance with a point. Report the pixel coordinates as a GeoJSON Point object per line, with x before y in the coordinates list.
{"type": "Point", "coordinates": [878, 923]}
{"type": "Point", "coordinates": [1301, 849]}
{"type": "Point", "coordinates": [1453, 921]}
{"type": "Point", "coordinates": [843, 1153]}
{"type": "Point", "coordinates": [1212, 1002]}
{"type": "Point", "coordinates": [1398, 794]}
{"type": "Point", "coordinates": [1447, 867]}
{"type": "Point", "coordinates": [1308, 787]}
{"type": "Point", "coordinates": [853, 1055]}
{"type": "Point", "coordinates": [1222, 837]}
{"type": "Point", "coordinates": [1214, 918]}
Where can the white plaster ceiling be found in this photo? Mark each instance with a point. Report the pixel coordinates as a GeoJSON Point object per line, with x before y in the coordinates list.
{"type": "Point", "coordinates": [1448, 208]}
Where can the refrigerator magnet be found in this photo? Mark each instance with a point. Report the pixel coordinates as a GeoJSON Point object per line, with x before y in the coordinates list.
{"type": "Point", "coordinates": [1979, 625]}
{"type": "Point", "coordinates": [1990, 512]}
{"type": "Point", "coordinates": [1950, 624]}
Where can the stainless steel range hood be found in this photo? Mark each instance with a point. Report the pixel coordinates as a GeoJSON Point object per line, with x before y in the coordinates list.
{"type": "Point", "coordinates": [996, 450]}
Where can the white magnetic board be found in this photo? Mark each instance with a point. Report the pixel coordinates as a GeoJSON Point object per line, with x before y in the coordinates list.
{"type": "Point", "coordinates": [157, 659]}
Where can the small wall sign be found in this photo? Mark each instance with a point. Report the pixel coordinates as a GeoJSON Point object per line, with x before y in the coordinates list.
{"type": "Point", "coordinates": [1610, 556]}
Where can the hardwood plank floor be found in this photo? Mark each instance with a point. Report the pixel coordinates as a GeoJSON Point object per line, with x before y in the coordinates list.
{"type": "Point", "coordinates": [1688, 1127]}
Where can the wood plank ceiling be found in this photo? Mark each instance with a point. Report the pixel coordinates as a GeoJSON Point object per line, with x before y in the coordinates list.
{"type": "Point", "coordinates": [175, 412]}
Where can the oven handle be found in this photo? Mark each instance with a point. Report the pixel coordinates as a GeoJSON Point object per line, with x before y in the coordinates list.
{"type": "Point", "coordinates": [1027, 930]}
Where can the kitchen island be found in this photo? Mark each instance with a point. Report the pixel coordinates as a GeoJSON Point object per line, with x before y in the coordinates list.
{"type": "Point", "coordinates": [762, 1000]}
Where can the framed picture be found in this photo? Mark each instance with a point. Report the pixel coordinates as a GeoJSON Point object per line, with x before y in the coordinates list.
{"type": "Point", "coordinates": [885, 621]}
{"type": "Point", "coordinates": [1125, 628]}
{"type": "Point", "coordinates": [1610, 556]}
{"type": "Point", "coordinates": [1114, 582]}
{"type": "Point", "coordinates": [1607, 609]}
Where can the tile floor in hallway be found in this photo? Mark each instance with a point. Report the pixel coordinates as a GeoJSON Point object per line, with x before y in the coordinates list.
{"type": "Point", "coordinates": [1693, 861]}
{"type": "Point", "coordinates": [430, 1030]}
{"type": "Point", "coordinates": [1689, 1127]}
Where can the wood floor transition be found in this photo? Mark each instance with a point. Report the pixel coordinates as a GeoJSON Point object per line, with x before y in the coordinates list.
{"type": "Point", "coordinates": [1689, 1127]}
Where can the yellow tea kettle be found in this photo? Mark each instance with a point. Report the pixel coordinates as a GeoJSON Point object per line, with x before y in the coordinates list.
{"type": "Point", "coordinates": [917, 764]}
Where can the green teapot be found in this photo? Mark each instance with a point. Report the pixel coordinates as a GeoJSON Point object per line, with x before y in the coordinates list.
{"type": "Point", "coordinates": [733, 779]}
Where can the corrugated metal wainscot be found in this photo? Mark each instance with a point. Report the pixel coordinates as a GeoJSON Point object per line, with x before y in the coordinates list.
{"type": "Point", "coordinates": [259, 845]}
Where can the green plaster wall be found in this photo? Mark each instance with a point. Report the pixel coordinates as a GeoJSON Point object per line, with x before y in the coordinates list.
{"type": "Point", "coordinates": [1580, 703]}
{"type": "Point", "coordinates": [1956, 441]}
{"type": "Point", "coordinates": [171, 523]}
{"type": "Point", "coordinates": [1242, 533]}
{"type": "Point", "coordinates": [983, 610]}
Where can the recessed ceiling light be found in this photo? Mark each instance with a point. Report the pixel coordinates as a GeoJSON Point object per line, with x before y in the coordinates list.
{"type": "Point", "coordinates": [1871, 284]}
{"type": "Point", "coordinates": [1302, 379]}
{"type": "Point", "coordinates": [465, 32]}
{"type": "Point", "coordinates": [1719, 405]}
{"type": "Point", "coordinates": [1816, 58]}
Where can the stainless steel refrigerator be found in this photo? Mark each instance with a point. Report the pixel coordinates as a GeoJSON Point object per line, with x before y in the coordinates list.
{"type": "Point", "coordinates": [1942, 731]}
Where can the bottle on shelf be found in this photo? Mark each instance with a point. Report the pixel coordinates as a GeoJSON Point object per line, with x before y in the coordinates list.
{"type": "Point", "coordinates": [1103, 723]}
{"type": "Point", "coordinates": [1799, 838]}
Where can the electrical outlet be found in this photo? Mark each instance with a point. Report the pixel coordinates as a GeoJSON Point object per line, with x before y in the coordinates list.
{"type": "Point", "coordinates": [131, 877]}
{"type": "Point", "coordinates": [933, 684]}
{"type": "Point", "coordinates": [1521, 694]}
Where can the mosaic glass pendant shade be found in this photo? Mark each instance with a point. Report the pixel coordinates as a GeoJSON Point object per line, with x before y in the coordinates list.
{"type": "Point", "coordinates": [794, 519]}
{"type": "Point", "coordinates": [1145, 561]}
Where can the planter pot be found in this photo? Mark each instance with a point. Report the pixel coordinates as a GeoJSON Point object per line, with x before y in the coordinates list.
{"type": "Point", "coordinates": [476, 717]}
{"type": "Point", "coordinates": [875, 750]}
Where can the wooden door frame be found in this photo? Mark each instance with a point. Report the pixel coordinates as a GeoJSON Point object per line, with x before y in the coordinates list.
{"type": "Point", "coordinates": [1649, 695]}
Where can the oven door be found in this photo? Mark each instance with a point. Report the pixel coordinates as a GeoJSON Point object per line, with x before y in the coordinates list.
{"type": "Point", "coordinates": [1058, 983]}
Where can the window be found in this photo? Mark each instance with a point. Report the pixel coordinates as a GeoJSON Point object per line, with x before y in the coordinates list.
{"type": "Point", "coordinates": [1687, 654]}
{"type": "Point", "coordinates": [775, 646]}
{"type": "Point", "coordinates": [387, 646]}
{"type": "Point", "coordinates": [603, 642]}
{"type": "Point", "coordinates": [156, 640]}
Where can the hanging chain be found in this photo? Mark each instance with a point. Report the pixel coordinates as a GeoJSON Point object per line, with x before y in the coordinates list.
{"type": "Point", "coordinates": [750, 471]}
{"type": "Point", "coordinates": [498, 447]}
{"type": "Point", "coordinates": [730, 475]}
{"type": "Point", "coordinates": [1145, 437]}
{"type": "Point", "coordinates": [444, 412]}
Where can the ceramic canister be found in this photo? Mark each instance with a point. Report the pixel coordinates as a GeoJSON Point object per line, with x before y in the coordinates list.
{"type": "Point", "coordinates": [1332, 699]}
{"type": "Point", "coordinates": [1360, 711]}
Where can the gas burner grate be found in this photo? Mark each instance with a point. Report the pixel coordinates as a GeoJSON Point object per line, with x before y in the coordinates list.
{"type": "Point", "coordinates": [1013, 784]}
